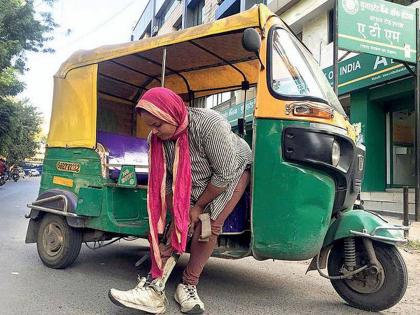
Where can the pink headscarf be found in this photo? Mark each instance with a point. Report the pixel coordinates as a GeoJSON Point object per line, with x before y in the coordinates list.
{"type": "Point", "coordinates": [169, 107]}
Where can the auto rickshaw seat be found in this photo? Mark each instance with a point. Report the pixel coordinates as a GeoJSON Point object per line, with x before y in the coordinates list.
{"type": "Point", "coordinates": [125, 150]}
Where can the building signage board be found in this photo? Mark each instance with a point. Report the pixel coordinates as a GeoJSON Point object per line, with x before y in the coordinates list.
{"type": "Point", "coordinates": [365, 70]}
{"type": "Point", "coordinates": [377, 27]}
{"type": "Point", "coordinates": [235, 112]}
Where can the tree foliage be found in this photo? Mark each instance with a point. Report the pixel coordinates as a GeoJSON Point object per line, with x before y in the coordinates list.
{"type": "Point", "coordinates": [24, 124]}
{"type": "Point", "coordinates": [21, 30]}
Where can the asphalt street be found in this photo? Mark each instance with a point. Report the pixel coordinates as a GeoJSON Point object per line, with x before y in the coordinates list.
{"type": "Point", "coordinates": [244, 286]}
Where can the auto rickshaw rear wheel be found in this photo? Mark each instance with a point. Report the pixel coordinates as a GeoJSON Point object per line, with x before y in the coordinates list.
{"type": "Point", "coordinates": [372, 289]}
{"type": "Point", "coordinates": [58, 243]}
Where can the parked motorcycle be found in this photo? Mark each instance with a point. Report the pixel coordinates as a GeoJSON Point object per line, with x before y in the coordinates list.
{"type": "Point", "coordinates": [15, 176]}
{"type": "Point", "coordinates": [2, 180]}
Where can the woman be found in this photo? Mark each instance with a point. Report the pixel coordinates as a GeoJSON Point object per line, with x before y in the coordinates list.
{"type": "Point", "coordinates": [197, 166]}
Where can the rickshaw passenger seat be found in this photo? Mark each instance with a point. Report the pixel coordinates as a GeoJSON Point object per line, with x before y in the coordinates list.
{"type": "Point", "coordinates": [238, 221]}
{"type": "Point", "coordinates": [125, 150]}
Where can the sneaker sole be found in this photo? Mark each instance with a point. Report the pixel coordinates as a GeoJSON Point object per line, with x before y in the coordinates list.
{"type": "Point", "coordinates": [195, 310]}
{"type": "Point", "coordinates": [135, 306]}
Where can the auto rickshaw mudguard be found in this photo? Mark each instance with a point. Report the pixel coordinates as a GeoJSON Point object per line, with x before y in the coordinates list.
{"type": "Point", "coordinates": [35, 215]}
{"type": "Point", "coordinates": [361, 223]}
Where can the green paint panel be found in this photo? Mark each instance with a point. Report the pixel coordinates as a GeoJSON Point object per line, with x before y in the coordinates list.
{"type": "Point", "coordinates": [358, 220]}
{"type": "Point", "coordinates": [124, 211]}
{"type": "Point", "coordinates": [292, 204]}
{"type": "Point", "coordinates": [115, 209]}
{"type": "Point", "coordinates": [126, 203]}
{"type": "Point", "coordinates": [392, 91]}
{"type": "Point", "coordinates": [88, 175]}
{"type": "Point", "coordinates": [372, 117]}
{"type": "Point", "coordinates": [89, 202]}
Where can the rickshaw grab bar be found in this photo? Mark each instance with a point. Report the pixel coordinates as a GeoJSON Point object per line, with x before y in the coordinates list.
{"type": "Point", "coordinates": [383, 238]}
{"type": "Point", "coordinates": [35, 205]}
{"type": "Point", "coordinates": [117, 164]}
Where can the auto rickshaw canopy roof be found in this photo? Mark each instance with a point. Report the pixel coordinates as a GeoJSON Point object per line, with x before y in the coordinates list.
{"type": "Point", "coordinates": [200, 61]}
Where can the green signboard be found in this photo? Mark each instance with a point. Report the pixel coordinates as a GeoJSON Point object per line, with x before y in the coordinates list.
{"type": "Point", "coordinates": [365, 70]}
{"type": "Point", "coordinates": [377, 27]}
{"type": "Point", "coordinates": [237, 111]}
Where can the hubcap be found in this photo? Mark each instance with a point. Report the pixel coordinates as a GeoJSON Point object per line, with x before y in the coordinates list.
{"type": "Point", "coordinates": [369, 280]}
{"type": "Point", "coordinates": [53, 239]}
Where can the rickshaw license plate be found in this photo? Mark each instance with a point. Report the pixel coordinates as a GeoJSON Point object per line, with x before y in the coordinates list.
{"type": "Point", "coordinates": [68, 167]}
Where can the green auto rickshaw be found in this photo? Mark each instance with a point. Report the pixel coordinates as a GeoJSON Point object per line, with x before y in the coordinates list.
{"type": "Point", "coordinates": [308, 158]}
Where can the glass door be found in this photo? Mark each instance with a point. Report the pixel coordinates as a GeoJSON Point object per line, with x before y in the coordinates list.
{"type": "Point", "coordinates": [402, 137]}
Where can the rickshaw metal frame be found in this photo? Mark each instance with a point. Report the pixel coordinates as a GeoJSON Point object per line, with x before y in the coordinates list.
{"type": "Point", "coordinates": [64, 212]}
{"type": "Point", "coordinates": [375, 237]}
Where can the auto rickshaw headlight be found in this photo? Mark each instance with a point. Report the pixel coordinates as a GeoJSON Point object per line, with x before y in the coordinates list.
{"type": "Point", "coordinates": [307, 109]}
{"type": "Point", "coordinates": [336, 152]}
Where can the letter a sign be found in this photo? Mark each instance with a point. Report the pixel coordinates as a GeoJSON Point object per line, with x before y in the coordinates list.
{"type": "Point", "coordinates": [377, 27]}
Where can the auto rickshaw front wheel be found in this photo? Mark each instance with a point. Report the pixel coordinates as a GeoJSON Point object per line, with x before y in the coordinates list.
{"type": "Point", "coordinates": [370, 289]}
{"type": "Point", "coordinates": [58, 243]}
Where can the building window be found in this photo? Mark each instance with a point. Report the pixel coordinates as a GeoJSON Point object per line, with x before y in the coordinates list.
{"type": "Point", "coordinates": [178, 24]}
{"type": "Point", "coordinates": [197, 13]}
{"type": "Point", "coordinates": [167, 11]}
{"type": "Point", "coordinates": [217, 99]}
{"type": "Point", "coordinates": [331, 26]}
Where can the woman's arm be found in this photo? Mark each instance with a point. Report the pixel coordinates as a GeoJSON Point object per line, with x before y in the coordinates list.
{"type": "Point", "coordinates": [220, 151]}
{"type": "Point", "coordinates": [208, 195]}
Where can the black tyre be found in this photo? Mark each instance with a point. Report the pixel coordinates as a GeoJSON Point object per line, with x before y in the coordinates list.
{"type": "Point", "coordinates": [368, 290]}
{"type": "Point", "coordinates": [58, 243]}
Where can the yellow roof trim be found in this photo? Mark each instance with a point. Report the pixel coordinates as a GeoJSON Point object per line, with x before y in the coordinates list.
{"type": "Point", "coordinates": [254, 17]}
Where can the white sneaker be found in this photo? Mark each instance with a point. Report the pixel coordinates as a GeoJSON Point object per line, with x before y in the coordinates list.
{"type": "Point", "coordinates": [143, 297]}
{"type": "Point", "coordinates": [187, 297]}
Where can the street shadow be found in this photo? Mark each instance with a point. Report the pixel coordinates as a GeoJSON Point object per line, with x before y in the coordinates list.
{"type": "Point", "coordinates": [250, 280]}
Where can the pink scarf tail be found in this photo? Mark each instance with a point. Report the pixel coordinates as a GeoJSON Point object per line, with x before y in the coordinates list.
{"type": "Point", "coordinates": [182, 193]}
{"type": "Point", "coordinates": [154, 203]}
{"type": "Point", "coordinates": [181, 202]}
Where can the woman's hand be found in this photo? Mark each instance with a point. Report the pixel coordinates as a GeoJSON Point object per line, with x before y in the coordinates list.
{"type": "Point", "coordinates": [195, 212]}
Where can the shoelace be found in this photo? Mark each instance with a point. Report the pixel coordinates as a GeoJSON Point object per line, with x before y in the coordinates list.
{"type": "Point", "coordinates": [142, 284]}
{"type": "Point", "coordinates": [191, 291]}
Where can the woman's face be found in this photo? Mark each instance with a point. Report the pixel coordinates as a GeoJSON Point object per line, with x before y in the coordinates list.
{"type": "Point", "coordinates": [160, 128]}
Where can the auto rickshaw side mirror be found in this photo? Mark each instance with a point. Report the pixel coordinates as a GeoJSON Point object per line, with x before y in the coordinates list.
{"type": "Point", "coordinates": [251, 41]}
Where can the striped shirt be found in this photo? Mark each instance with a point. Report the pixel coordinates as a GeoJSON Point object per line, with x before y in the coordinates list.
{"type": "Point", "coordinates": [217, 155]}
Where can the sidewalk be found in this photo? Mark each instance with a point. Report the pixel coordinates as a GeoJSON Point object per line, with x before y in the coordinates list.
{"type": "Point", "coordinates": [414, 233]}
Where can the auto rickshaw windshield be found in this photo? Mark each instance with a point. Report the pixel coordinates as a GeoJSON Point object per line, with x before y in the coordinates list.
{"type": "Point", "coordinates": [295, 73]}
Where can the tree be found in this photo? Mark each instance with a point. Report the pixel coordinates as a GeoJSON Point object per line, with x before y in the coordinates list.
{"type": "Point", "coordinates": [21, 30]}
{"type": "Point", "coordinates": [19, 142]}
